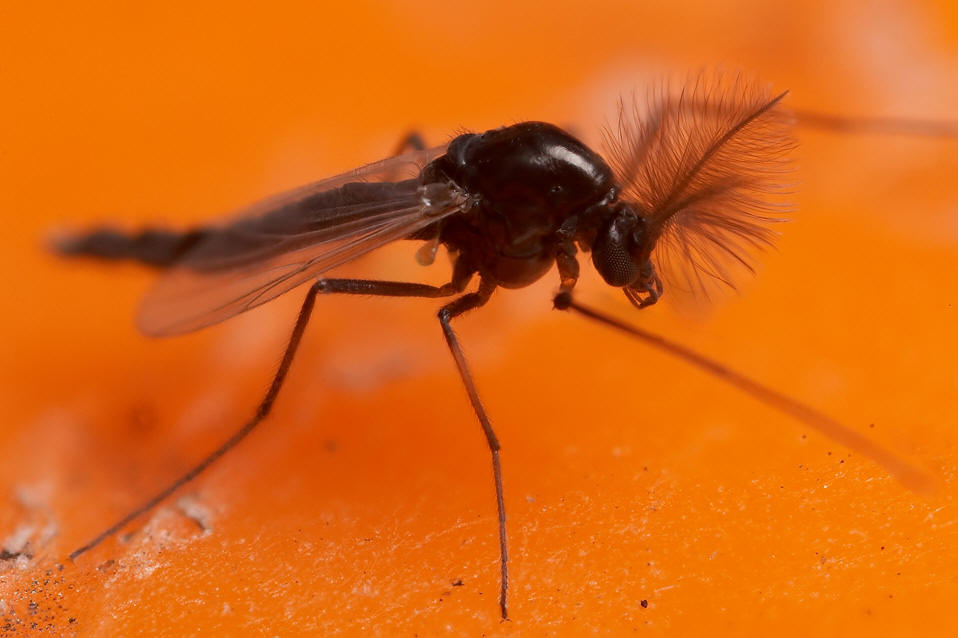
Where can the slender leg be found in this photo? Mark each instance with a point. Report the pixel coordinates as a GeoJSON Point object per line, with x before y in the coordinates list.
{"type": "Point", "coordinates": [412, 141]}
{"type": "Point", "coordinates": [911, 476]}
{"type": "Point", "coordinates": [568, 267]}
{"type": "Point", "coordinates": [913, 127]}
{"type": "Point", "coordinates": [446, 314]}
{"type": "Point", "coordinates": [323, 286]}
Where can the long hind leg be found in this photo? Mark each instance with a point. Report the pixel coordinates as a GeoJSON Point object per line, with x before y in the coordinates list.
{"type": "Point", "coordinates": [323, 286]}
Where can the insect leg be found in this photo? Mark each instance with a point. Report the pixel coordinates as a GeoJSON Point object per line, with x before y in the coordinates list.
{"type": "Point", "coordinates": [412, 141]}
{"type": "Point", "coordinates": [877, 125]}
{"type": "Point", "coordinates": [912, 477]}
{"type": "Point", "coordinates": [446, 314]}
{"type": "Point", "coordinates": [323, 286]}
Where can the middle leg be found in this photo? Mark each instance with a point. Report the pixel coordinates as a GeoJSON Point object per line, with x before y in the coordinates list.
{"type": "Point", "coordinates": [446, 314]}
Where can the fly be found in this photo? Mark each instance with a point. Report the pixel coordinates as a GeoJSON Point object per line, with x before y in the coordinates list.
{"type": "Point", "coordinates": [691, 185]}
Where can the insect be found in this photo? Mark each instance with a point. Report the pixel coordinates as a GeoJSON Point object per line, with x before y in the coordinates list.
{"type": "Point", "coordinates": [692, 184]}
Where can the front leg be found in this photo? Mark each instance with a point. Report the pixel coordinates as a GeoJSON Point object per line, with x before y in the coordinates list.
{"type": "Point", "coordinates": [566, 262]}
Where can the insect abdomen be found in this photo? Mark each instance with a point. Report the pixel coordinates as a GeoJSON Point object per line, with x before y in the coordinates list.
{"type": "Point", "coordinates": [154, 247]}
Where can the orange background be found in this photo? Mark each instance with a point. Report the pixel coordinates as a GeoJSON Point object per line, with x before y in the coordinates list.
{"type": "Point", "coordinates": [629, 476]}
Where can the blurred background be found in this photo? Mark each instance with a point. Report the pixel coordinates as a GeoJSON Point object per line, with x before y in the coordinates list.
{"type": "Point", "coordinates": [642, 494]}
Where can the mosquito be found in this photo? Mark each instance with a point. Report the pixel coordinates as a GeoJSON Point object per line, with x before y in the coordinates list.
{"type": "Point", "coordinates": [691, 185]}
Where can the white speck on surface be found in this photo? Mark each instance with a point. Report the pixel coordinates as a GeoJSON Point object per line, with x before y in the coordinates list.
{"type": "Point", "coordinates": [17, 541]}
{"type": "Point", "coordinates": [196, 512]}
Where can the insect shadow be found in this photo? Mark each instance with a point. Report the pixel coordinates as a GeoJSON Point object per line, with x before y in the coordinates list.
{"type": "Point", "coordinates": [691, 185]}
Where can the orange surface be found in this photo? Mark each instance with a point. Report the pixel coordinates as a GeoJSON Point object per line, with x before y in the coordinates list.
{"type": "Point", "coordinates": [629, 477]}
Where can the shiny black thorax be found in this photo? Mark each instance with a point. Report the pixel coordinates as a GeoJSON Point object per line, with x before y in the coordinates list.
{"type": "Point", "coordinates": [530, 187]}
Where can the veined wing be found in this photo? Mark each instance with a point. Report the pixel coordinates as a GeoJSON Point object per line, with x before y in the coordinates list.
{"type": "Point", "coordinates": [286, 240]}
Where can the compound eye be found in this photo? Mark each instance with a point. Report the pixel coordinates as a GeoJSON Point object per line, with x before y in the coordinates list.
{"type": "Point", "coordinates": [611, 251]}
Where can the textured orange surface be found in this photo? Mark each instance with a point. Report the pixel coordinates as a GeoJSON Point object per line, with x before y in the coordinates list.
{"type": "Point", "coordinates": [643, 496]}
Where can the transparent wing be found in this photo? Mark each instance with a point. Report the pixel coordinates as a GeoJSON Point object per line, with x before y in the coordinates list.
{"type": "Point", "coordinates": [286, 240]}
{"type": "Point", "coordinates": [393, 169]}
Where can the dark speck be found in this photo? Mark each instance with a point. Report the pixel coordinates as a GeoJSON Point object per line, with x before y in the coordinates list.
{"type": "Point", "coordinates": [457, 582]}
{"type": "Point", "coordinates": [644, 603]}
